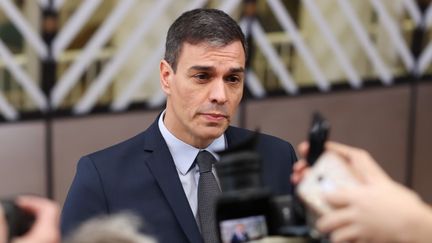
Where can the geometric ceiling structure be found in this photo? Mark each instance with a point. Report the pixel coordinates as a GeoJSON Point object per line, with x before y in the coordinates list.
{"type": "Point", "coordinates": [131, 59]}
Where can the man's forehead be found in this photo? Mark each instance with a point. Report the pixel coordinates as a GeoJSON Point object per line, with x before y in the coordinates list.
{"type": "Point", "coordinates": [210, 43]}
{"type": "Point", "coordinates": [238, 69]}
{"type": "Point", "coordinates": [206, 56]}
{"type": "Point", "coordinates": [204, 48]}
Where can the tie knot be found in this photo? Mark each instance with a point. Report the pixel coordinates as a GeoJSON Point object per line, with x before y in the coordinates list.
{"type": "Point", "coordinates": [205, 160]}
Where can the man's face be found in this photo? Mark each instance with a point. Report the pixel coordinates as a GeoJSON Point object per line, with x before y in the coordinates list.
{"type": "Point", "coordinates": [204, 92]}
{"type": "Point", "coordinates": [240, 228]}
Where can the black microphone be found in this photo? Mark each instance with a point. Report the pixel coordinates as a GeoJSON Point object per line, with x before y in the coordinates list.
{"type": "Point", "coordinates": [318, 134]}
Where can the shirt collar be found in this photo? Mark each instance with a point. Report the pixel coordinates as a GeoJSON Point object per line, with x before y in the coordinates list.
{"type": "Point", "coordinates": [184, 154]}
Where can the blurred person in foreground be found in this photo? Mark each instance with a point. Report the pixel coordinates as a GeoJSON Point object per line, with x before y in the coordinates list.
{"type": "Point", "coordinates": [378, 210]}
{"type": "Point", "coordinates": [117, 228]}
{"type": "Point", "coordinates": [156, 173]}
{"type": "Point", "coordinates": [45, 228]}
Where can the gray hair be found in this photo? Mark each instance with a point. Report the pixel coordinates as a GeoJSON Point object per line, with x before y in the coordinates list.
{"type": "Point", "coordinates": [211, 26]}
{"type": "Point", "coordinates": [118, 228]}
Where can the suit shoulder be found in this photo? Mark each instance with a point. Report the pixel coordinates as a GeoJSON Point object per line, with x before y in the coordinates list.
{"type": "Point", "coordinates": [119, 150]}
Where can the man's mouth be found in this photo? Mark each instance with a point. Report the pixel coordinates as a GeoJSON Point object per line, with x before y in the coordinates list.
{"type": "Point", "coordinates": [215, 116]}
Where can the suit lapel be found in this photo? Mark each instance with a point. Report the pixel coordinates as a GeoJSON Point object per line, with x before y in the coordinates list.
{"type": "Point", "coordinates": [163, 168]}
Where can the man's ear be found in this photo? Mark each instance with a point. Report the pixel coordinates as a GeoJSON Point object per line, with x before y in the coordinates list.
{"type": "Point", "coordinates": [166, 76]}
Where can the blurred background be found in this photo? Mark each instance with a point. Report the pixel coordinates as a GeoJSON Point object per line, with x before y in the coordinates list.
{"type": "Point", "coordinates": [77, 76]}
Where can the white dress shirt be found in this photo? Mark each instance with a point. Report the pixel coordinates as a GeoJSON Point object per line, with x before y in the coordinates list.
{"type": "Point", "coordinates": [184, 155]}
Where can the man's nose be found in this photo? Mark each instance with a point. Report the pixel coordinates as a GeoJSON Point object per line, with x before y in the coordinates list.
{"type": "Point", "coordinates": [218, 93]}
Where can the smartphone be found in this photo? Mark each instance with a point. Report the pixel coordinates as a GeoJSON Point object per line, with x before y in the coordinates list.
{"type": "Point", "coordinates": [328, 174]}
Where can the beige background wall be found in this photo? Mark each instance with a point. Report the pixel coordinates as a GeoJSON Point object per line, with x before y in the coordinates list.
{"type": "Point", "coordinates": [22, 158]}
{"type": "Point", "coordinates": [74, 138]}
{"type": "Point", "coordinates": [422, 179]}
{"type": "Point", "coordinates": [376, 119]}
{"type": "Point", "coordinates": [372, 119]}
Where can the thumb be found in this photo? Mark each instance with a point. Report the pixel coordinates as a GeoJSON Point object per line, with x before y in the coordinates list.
{"type": "Point", "coordinates": [338, 199]}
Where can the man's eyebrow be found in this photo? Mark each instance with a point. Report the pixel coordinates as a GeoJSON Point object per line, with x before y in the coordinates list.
{"type": "Point", "coordinates": [210, 68]}
{"type": "Point", "coordinates": [201, 68]}
{"type": "Point", "coordinates": [237, 70]}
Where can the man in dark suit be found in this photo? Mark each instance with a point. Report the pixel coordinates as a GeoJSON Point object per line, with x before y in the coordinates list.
{"type": "Point", "coordinates": [240, 235]}
{"type": "Point", "coordinates": [154, 174]}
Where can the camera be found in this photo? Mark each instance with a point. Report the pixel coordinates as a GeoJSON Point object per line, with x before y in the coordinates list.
{"type": "Point", "coordinates": [246, 209]}
{"type": "Point", "coordinates": [18, 220]}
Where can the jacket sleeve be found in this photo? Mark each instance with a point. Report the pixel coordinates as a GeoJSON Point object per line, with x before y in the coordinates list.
{"type": "Point", "coordinates": [86, 197]}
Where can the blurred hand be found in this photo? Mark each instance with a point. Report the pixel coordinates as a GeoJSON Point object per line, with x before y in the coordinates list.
{"type": "Point", "coordinates": [379, 210]}
{"type": "Point", "coordinates": [363, 164]}
{"type": "Point", "coordinates": [366, 169]}
{"type": "Point", "coordinates": [382, 212]}
{"type": "Point", "coordinates": [46, 226]}
{"type": "Point", "coordinates": [3, 227]}
{"type": "Point", "coordinates": [300, 168]}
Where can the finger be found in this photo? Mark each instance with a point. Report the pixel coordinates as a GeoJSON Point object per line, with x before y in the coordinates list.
{"type": "Point", "coordinates": [338, 199]}
{"type": "Point", "coordinates": [3, 227]}
{"type": "Point", "coordinates": [360, 162]}
{"type": "Point", "coordinates": [300, 165]}
{"type": "Point", "coordinates": [46, 211]}
{"type": "Point", "coordinates": [300, 169]}
{"type": "Point", "coordinates": [303, 149]}
{"type": "Point", "coordinates": [348, 233]}
{"type": "Point", "coordinates": [33, 203]}
{"type": "Point", "coordinates": [343, 150]}
{"type": "Point", "coordinates": [296, 178]}
{"type": "Point", "coordinates": [334, 220]}
{"type": "Point", "coordinates": [47, 217]}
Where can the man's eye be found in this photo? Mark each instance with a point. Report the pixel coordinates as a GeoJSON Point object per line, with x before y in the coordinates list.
{"type": "Point", "coordinates": [232, 79]}
{"type": "Point", "coordinates": [202, 76]}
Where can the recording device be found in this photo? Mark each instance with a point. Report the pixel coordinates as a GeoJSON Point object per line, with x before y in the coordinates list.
{"type": "Point", "coordinates": [18, 220]}
{"type": "Point", "coordinates": [246, 209]}
{"type": "Point", "coordinates": [318, 135]}
{"type": "Point", "coordinates": [328, 170]}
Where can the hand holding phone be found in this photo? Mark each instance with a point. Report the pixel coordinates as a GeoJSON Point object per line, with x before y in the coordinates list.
{"type": "Point", "coordinates": [328, 174]}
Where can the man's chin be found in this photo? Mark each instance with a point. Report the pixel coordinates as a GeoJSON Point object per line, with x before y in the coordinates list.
{"type": "Point", "coordinates": [213, 132]}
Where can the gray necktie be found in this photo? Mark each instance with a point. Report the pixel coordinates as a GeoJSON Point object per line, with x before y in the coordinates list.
{"type": "Point", "coordinates": [208, 190]}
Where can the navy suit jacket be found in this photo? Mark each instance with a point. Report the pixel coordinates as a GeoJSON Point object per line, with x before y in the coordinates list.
{"type": "Point", "coordinates": [139, 175]}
